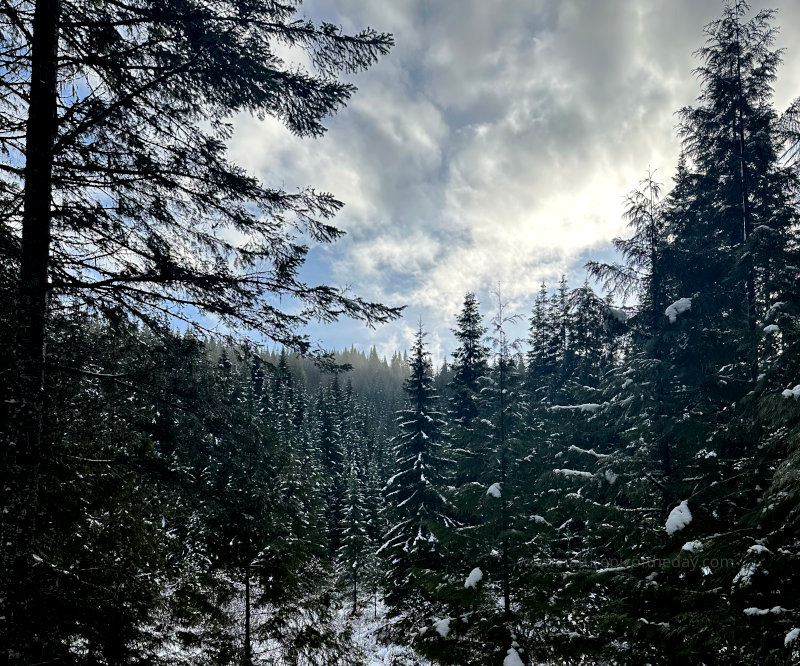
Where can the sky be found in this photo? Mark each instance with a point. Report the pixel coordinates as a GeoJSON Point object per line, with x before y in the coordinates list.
{"type": "Point", "coordinates": [493, 147]}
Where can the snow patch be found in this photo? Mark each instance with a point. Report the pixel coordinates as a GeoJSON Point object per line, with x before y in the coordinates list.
{"type": "Point", "coordinates": [772, 328]}
{"type": "Point", "coordinates": [573, 472]}
{"type": "Point", "coordinates": [692, 546]}
{"type": "Point", "coordinates": [512, 658]}
{"type": "Point", "coordinates": [775, 610]}
{"type": "Point", "coordinates": [792, 392]}
{"type": "Point", "coordinates": [442, 627]}
{"type": "Point", "coordinates": [494, 490]}
{"type": "Point", "coordinates": [678, 518]}
{"type": "Point", "coordinates": [588, 452]}
{"type": "Point", "coordinates": [771, 312]}
{"type": "Point", "coordinates": [756, 611]}
{"type": "Point", "coordinates": [678, 307]}
{"type": "Point", "coordinates": [585, 407]}
{"type": "Point", "coordinates": [791, 637]}
{"type": "Point", "coordinates": [474, 578]}
{"type": "Point", "coordinates": [611, 477]}
{"type": "Point", "coordinates": [745, 574]}
{"type": "Point", "coordinates": [758, 549]}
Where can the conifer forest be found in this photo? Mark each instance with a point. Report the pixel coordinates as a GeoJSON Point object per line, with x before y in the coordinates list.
{"type": "Point", "coordinates": [607, 474]}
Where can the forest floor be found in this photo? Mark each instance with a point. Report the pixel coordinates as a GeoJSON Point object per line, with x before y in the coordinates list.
{"type": "Point", "coordinates": [369, 629]}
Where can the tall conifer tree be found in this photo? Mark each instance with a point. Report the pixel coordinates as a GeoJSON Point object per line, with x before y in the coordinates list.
{"type": "Point", "coordinates": [417, 512]}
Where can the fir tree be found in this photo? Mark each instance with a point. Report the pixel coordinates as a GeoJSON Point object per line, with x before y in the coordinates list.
{"type": "Point", "coordinates": [354, 553]}
{"type": "Point", "coordinates": [470, 367]}
{"type": "Point", "coordinates": [118, 159]}
{"type": "Point", "coordinates": [637, 275]}
{"type": "Point", "coordinates": [416, 509]}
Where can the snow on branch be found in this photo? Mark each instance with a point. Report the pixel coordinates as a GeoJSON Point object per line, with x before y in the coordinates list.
{"type": "Point", "coordinates": [573, 472]}
{"type": "Point", "coordinates": [474, 578]}
{"type": "Point", "coordinates": [678, 518]}
{"type": "Point", "coordinates": [677, 308]}
{"type": "Point", "coordinates": [589, 452]}
{"type": "Point", "coordinates": [792, 392]}
{"type": "Point", "coordinates": [585, 407]}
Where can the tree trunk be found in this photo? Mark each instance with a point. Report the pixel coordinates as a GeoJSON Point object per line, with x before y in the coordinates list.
{"type": "Point", "coordinates": [750, 289]}
{"type": "Point", "coordinates": [24, 453]}
{"type": "Point", "coordinates": [504, 491]}
{"type": "Point", "coordinates": [248, 648]}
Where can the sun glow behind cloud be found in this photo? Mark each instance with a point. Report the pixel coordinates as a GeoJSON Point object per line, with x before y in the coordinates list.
{"type": "Point", "coordinates": [494, 144]}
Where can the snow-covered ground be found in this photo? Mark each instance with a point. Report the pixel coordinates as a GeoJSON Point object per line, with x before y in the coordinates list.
{"type": "Point", "coordinates": [368, 629]}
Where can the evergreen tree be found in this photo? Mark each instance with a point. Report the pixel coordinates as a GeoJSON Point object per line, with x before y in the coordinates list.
{"type": "Point", "coordinates": [469, 359]}
{"type": "Point", "coordinates": [637, 274]}
{"type": "Point", "coordinates": [118, 159]}
{"type": "Point", "coordinates": [490, 529]}
{"type": "Point", "coordinates": [334, 459]}
{"type": "Point", "coordinates": [469, 369]}
{"type": "Point", "coordinates": [539, 364]}
{"type": "Point", "coordinates": [681, 405]}
{"type": "Point", "coordinates": [354, 553]}
{"type": "Point", "coordinates": [418, 513]}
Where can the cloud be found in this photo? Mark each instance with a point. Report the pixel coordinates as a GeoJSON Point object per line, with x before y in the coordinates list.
{"type": "Point", "coordinates": [495, 143]}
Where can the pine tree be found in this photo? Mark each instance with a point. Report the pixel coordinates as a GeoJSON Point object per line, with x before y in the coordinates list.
{"type": "Point", "coordinates": [354, 553]}
{"type": "Point", "coordinates": [334, 458]}
{"type": "Point", "coordinates": [682, 403]}
{"type": "Point", "coordinates": [557, 349]}
{"type": "Point", "coordinates": [501, 411]}
{"type": "Point", "coordinates": [490, 528]}
{"type": "Point", "coordinates": [637, 274]}
{"type": "Point", "coordinates": [119, 114]}
{"type": "Point", "coordinates": [539, 364]}
{"type": "Point", "coordinates": [470, 367]}
{"type": "Point", "coordinates": [417, 511]}
{"type": "Point", "coordinates": [590, 343]}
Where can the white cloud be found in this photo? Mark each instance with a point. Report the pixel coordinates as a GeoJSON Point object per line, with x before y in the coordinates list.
{"type": "Point", "coordinates": [495, 142]}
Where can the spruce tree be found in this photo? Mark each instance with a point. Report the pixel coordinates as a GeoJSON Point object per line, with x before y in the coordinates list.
{"type": "Point", "coordinates": [417, 512]}
{"type": "Point", "coordinates": [637, 274]}
{"type": "Point", "coordinates": [682, 403]}
{"type": "Point", "coordinates": [354, 552]}
{"type": "Point", "coordinates": [539, 365]}
{"type": "Point", "coordinates": [470, 367]}
{"type": "Point", "coordinates": [120, 113]}
{"type": "Point", "coordinates": [489, 508]}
